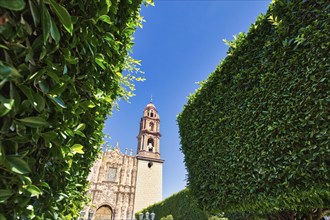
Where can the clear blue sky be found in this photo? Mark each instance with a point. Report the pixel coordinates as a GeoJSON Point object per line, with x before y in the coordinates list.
{"type": "Point", "coordinates": [179, 45]}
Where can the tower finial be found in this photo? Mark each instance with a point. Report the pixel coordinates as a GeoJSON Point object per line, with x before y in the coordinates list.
{"type": "Point", "coordinates": [151, 98]}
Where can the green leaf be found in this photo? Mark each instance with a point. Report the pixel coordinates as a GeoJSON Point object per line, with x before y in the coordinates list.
{"type": "Point", "coordinates": [77, 148]}
{"type": "Point", "coordinates": [53, 75]}
{"type": "Point", "coordinates": [42, 53]}
{"type": "Point", "coordinates": [149, 2]}
{"type": "Point", "coordinates": [2, 217]}
{"type": "Point", "coordinates": [45, 185]}
{"type": "Point", "coordinates": [8, 72]}
{"type": "Point", "coordinates": [105, 18]}
{"type": "Point", "coordinates": [43, 84]}
{"type": "Point", "coordinates": [45, 23]}
{"type": "Point", "coordinates": [6, 105]}
{"type": "Point", "coordinates": [17, 165]}
{"type": "Point", "coordinates": [63, 15]}
{"type": "Point", "coordinates": [2, 153]}
{"type": "Point", "coordinates": [54, 31]}
{"type": "Point", "coordinates": [3, 110]}
{"type": "Point", "coordinates": [34, 190]}
{"type": "Point", "coordinates": [33, 122]}
{"type": "Point", "coordinates": [39, 102]}
{"type": "Point", "coordinates": [14, 95]}
{"type": "Point", "coordinates": [57, 100]}
{"type": "Point", "coordinates": [15, 5]}
{"type": "Point", "coordinates": [25, 179]}
{"type": "Point", "coordinates": [35, 13]}
{"type": "Point", "coordinates": [5, 194]}
{"type": "Point", "coordinates": [91, 105]}
{"type": "Point", "coordinates": [87, 104]}
{"type": "Point", "coordinates": [99, 60]}
{"type": "Point", "coordinates": [80, 133]}
{"type": "Point", "coordinates": [80, 127]}
{"type": "Point", "coordinates": [27, 92]}
{"type": "Point", "coordinates": [50, 135]}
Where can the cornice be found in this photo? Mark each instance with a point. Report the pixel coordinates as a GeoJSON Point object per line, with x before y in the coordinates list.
{"type": "Point", "coordinates": [150, 159]}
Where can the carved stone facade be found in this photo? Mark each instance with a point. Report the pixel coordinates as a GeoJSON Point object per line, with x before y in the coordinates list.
{"type": "Point", "coordinates": [122, 184]}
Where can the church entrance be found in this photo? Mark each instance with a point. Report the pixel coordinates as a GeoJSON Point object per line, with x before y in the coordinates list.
{"type": "Point", "coordinates": [103, 213]}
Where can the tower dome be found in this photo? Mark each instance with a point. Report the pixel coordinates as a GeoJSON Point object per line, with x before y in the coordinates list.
{"type": "Point", "coordinates": [151, 111]}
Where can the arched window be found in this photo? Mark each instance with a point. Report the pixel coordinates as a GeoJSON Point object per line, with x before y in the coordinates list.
{"type": "Point", "coordinates": [151, 126]}
{"type": "Point", "coordinates": [150, 144]}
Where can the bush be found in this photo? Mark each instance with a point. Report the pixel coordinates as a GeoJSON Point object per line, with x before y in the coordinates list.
{"type": "Point", "coordinates": [60, 73]}
{"type": "Point", "coordinates": [169, 217]}
{"type": "Point", "coordinates": [256, 135]}
{"type": "Point", "coordinates": [181, 206]}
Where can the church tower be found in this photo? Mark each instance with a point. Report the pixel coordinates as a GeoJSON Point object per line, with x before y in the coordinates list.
{"type": "Point", "coordinates": [149, 164]}
{"type": "Point", "coordinates": [149, 135]}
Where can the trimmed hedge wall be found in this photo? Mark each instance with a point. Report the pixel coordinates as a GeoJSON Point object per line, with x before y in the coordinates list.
{"type": "Point", "coordinates": [181, 206]}
{"type": "Point", "coordinates": [60, 73]}
{"type": "Point", "coordinates": [256, 135]}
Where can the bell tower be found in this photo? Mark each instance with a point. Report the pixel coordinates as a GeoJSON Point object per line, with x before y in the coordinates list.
{"type": "Point", "coordinates": [149, 134]}
{"type": "Point", "coordinates": [149, 164]}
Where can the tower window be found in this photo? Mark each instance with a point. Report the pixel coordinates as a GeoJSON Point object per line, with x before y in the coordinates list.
{"type": "Point", "coordinates": [152, 114]}
{"type": "Point", "coordinates": [151, 126]}
{"type": "Point", "coordinates": [150, 144]}
{"type": "Point", "coordinates": [150, 164]}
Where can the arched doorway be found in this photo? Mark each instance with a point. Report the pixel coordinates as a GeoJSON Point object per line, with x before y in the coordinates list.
{"type": "Point", "coordinates": [103, 213]}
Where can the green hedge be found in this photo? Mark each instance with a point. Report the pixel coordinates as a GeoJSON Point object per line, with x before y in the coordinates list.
{"type": "Point", "coordinates": [181, 206]}
{"type": "Point", "coordinates": [256, 135]}
{"type": "Point", "coordinates": [60, 73]}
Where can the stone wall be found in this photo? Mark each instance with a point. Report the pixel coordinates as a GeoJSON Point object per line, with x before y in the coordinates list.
{"type": "Point", "coordinates": [115, 190]}
{"type": "Point", "coordinates": [148, 183]}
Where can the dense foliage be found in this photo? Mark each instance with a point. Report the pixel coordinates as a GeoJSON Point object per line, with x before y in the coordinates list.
{"type": "Point", "coordinates": [181, 206]}
{"type": "Point", "coordinates": [256, 135]}
{"type": "Point", "coordinates": [61, 64]}
{"type": "Point", "coordinates": [169, 217]}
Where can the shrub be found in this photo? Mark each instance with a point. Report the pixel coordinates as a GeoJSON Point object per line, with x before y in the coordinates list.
{"type": "Point", "coordinates": [169, 217]}
{"type": "Point", "coordinates": [181, 206]}
{"type": "Point", "coordinates": [256, 135]}
{"type": "Point", "coordinates": [60, 73]}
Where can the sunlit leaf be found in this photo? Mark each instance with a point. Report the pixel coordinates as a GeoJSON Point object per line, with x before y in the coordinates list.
{"type": "Point", "coordinates": [5, 105]}
{"type": "Point", "coordinates": [34, 190]}
{"type": "Point", "coordinates": [105, 18]}
{"type": "Point", "coordinates": [99, 60]}
{"type": "Point", "coordinates": [80, 127]}
{"type": "Point", "coordinates": [57, 100]}
{"type": "Point", "coordinates": [77, 148]}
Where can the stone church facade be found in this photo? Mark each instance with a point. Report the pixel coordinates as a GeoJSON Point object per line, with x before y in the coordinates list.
{"type": "Point", "coordinates": [122, 184]}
